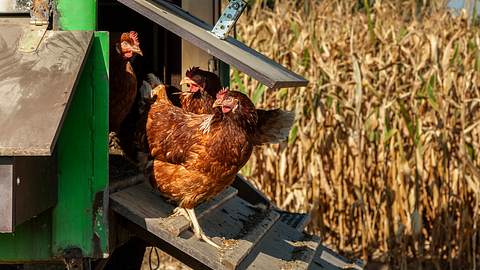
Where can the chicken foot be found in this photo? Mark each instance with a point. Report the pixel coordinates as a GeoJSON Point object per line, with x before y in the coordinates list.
{"type": "Point", "coordinates": [197, 230]}
{"type": "Point", "coordinates": [180, 211]}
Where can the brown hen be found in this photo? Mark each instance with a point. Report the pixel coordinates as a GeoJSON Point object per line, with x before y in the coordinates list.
{"type": "Point", "coordinates": [273, 125]}
{"type": "Point", "coordinates": [203, 86]}
{"type": "Point", "coordinates": [196, 156]}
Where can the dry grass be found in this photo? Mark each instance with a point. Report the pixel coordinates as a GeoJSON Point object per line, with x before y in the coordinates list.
{"type": "Point", "coordinates": [385, 150]}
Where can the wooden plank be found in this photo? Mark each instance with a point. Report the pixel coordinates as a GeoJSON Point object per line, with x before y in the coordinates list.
{"type": "Point", "coordinates": [176, 225]}
{"type": "Point", "coordinates": [327, 259]}
{"type": "Point", "coordinates": [297, 221]}
{"type": "Point", "coordinates": [249, 192]}
{"type": "Point", "coordinates": [37, 87]}
{"type": "Point", "coordinates": [282, 248]}
{"type": "Point", "coordinates": [143, 201]}
{"type": "Point", "coordinates": [253, 235]}
{"type": "Point", "coordinates": [231, 225]}
{"type": "Point", "coordinates": [230, 51]}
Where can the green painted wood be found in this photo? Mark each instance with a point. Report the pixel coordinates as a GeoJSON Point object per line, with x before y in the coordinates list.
{"type": "Point", "coordinates": [224, 73]}
{"type": "Point", "coordinates": [30, 242]}
{"type": "Point", "coordinates": [100, 169]}
{"type": "Point", "coordinates": [78, 218]}
{"type": "Point", "coordinates": [77, 15]}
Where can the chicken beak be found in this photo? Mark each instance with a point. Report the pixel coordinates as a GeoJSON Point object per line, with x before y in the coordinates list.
{"type": "Point", "coordinates": [185, 81]}
{"type": "Point", "coordinates": [188, 82]}
{"type": "Point", "coordinates": [217, 103]}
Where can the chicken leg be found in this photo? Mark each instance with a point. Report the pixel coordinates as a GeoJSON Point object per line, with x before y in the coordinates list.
{"type": "Point", "coordinates": [189, 214]}
{"type": "Point", "coordinates": [197, 230]}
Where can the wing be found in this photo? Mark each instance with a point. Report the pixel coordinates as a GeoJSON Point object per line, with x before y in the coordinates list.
{"type": "Point", "coordinates": [172, 132]}
{"type": "Point", "coordinates": [273, 126]}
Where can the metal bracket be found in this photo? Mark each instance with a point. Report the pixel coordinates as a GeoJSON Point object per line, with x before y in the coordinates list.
{"type": "Point", "coordinates": [31, 38]}
{"type": "Point", "coordinates": [229, 17]}
{"type": "Point", "coordinates": [40, 12]}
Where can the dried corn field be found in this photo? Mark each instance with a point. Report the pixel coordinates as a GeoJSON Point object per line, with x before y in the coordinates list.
{"type": "Point", "coordinates": [385, 150]}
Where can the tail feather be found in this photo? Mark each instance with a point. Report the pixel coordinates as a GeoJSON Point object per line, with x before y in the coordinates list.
{"type": "Point", "coordinates": [153, 80]}
{"type": "Point", "coordinates": [273, 126]}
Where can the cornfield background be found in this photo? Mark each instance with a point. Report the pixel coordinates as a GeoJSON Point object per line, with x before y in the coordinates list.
{"type": "Point", "coordinates": [385, 149]}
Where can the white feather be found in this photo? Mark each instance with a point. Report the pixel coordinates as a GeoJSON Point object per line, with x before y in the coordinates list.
{"type": "Point", "coordinates": [205, 126]}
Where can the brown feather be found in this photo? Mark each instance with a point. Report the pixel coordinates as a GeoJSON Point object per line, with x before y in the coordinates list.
{"type": "Point", "coordinates": [123, 81]}
{"type": "Point", "coordinates": [201, 102]}
{"type": "Point", "coordinates": [273, 126]}
{"type": "Point", "coordinates": [197, 156]}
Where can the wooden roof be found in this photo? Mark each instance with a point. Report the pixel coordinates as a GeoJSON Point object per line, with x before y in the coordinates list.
{"type": "Point", "coordinates": [36, 87]}
{"type": "Point", "coordinates": [230, 50]}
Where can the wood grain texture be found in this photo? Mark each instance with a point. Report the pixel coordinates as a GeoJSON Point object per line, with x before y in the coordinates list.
{"type": "Point", "coordinates": [230, 50]}
{"type": "Point", "coordinates": [283, 248]}
{"type": "Point", "coordinates": [234, 223]}
{"type": "Point", "coordinates": [36, 88]}
{"type": "Point", "coordinates": [179, 224]}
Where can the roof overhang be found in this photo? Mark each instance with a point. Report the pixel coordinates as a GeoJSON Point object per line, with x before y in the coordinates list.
{"type": "Point", "coordinates": [36, 87]}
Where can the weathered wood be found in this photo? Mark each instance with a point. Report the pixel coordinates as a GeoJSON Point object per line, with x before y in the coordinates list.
{"type": "Point", "coordinates": [230, 50]}
{"type": "Point", "coordinates": [178, 224]}
{"type": "Point", "coordinates": [36, 88]}
{"type": "Point", "coordinates": [142, 201]}
{"type": "Point", "coordinates": [282, 248]}
{"type": "Point", "coordinates": [297, 221]}
{"type": "Point", "coordinates": [235, 223]}
{"type": "Point", "coordinates": [249, 192]}
{"type": "Point", "coordinates": [254, 232]}
{"type": "Point", "coordinates": [327, 259]}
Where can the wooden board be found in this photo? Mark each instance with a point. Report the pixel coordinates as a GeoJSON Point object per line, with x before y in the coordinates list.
{"type": "Point", "coordinates": [179, 224]}
{"type": "Point", "coordinates": [36, 88]}
{"type": "Point", "coordinates": [235, 225]}
{"type": "Point", "coordinates": [282, 248]}
{"type": "Point", "coordinates": [327, 259]}
{"type": "Point", "coordinates": [230, 50]}
{"type": "Point", "coordinates": [297, 221]}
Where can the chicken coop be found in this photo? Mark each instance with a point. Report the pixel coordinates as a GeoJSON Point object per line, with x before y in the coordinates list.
{"type": "Point", "coordinates": [66, 198]}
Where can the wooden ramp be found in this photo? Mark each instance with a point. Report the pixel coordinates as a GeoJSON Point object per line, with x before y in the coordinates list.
{"type": "Point", "coordinates": [251, 237]}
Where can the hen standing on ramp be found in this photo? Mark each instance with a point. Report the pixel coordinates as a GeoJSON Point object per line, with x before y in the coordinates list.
{"type": "Point", "coordinates": [198, 156]}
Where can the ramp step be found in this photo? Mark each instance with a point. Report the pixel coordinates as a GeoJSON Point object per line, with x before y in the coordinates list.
{"type": "Point", "coordinates": [297, 221]}
{"type": "Point", "coordinates": [255, 227]}
{"type": "Point", "coordinates": [235, 225]}
{"type": "Point", "coordinates": [282, 248]}
{"type": "Point", "coordinates": [327, 259]}
{"type": "Point", "coordinates": [179, 224]}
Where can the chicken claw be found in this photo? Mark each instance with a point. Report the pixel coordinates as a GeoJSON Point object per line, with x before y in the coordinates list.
{"type": "Point", "coordinates": [179, 211]}
{"type": "Point", "coordinates": [197, 230]}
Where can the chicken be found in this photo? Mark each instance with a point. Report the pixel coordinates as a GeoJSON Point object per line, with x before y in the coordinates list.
{"type": "Point", "coordinates": [196, 156]}
{"type": "Point", "coordinates": [273, 126]}
{"type": "Point", "coordinates": [137, 149]}
{"type": "Point", "coordinates": [123, 81]}
{"type": "Point", "coordinates": [202, 89]}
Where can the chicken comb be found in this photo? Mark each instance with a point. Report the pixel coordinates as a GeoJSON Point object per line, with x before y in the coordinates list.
{"type": "Point", "coordinates": [134, 36]}
{"type": "Point", "coordinates": [191, 71]}
{"type": "Point", "coordinates": [222, 92]}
